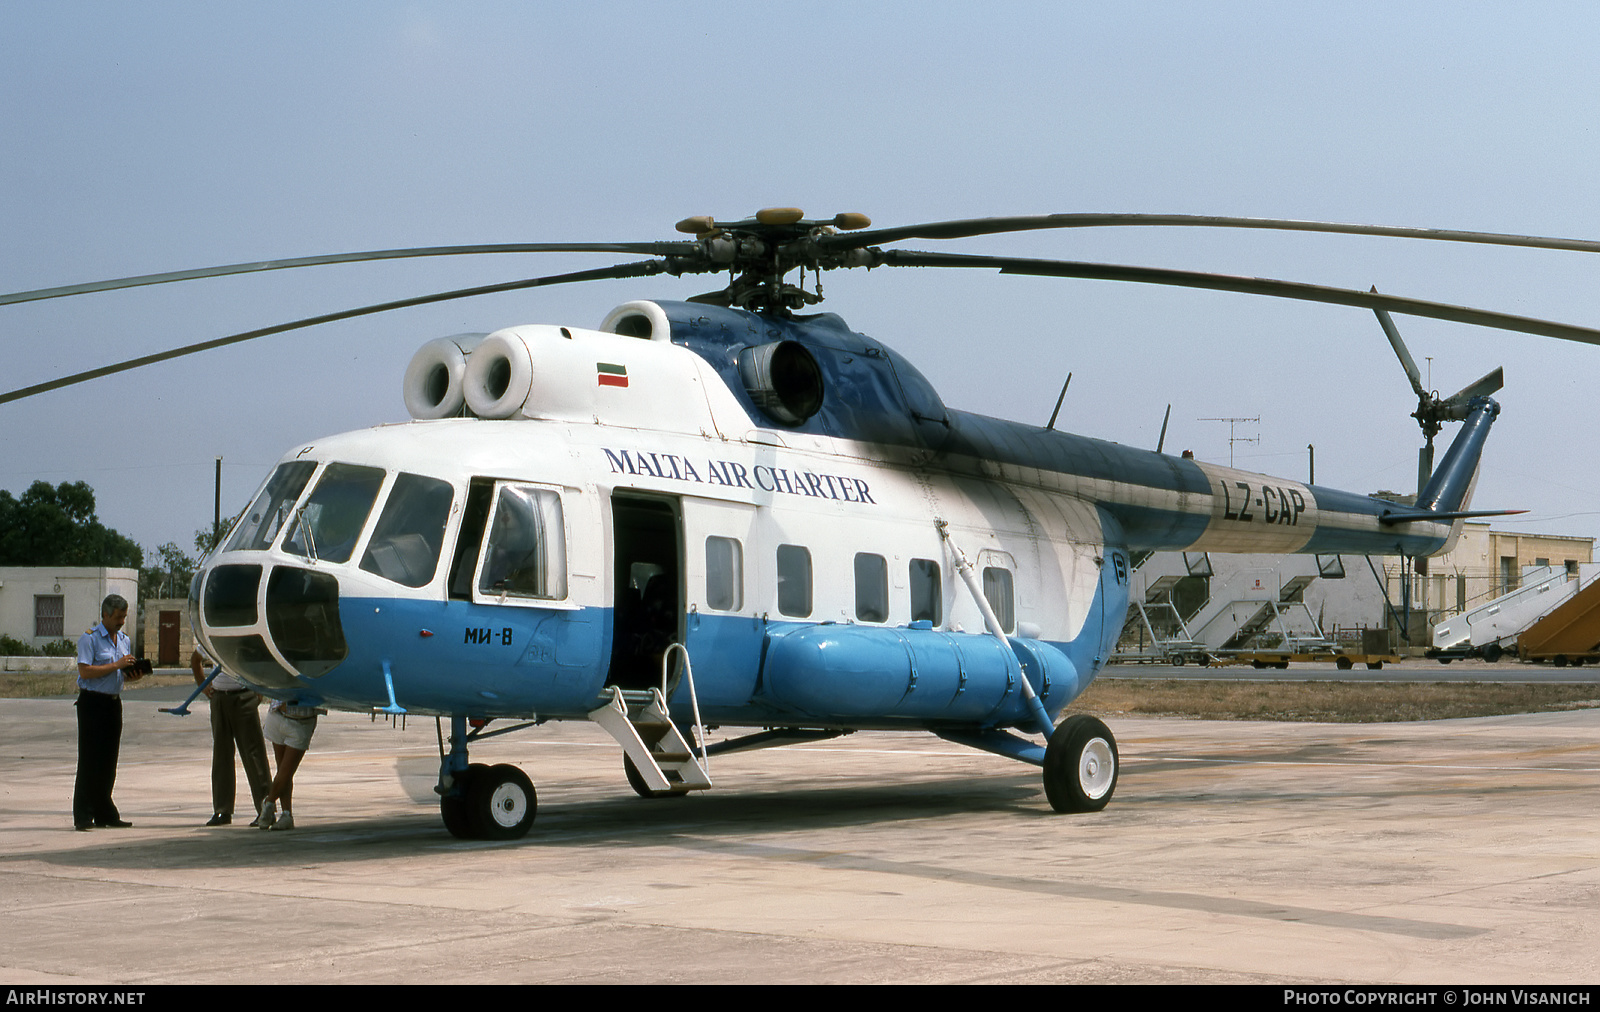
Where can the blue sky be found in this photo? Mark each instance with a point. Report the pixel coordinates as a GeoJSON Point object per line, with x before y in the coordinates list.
{"type": "Point", "coordinates": [160, 136]}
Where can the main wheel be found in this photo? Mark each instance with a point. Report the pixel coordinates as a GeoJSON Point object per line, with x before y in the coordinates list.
{"type": "Point", "coordinates": [455, 807]}
{"type": "Point", "coordinates": [1080, 765]}
{"type": "Point", "coordinates": [502, 803]}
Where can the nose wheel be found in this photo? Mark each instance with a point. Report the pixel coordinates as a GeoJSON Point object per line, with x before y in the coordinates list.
{"type": "Point", "coordinates": [1080, 765]}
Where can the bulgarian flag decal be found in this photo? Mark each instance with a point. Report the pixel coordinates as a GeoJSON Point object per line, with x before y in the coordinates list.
{"type": "Point", "coordinates": [611, 375]}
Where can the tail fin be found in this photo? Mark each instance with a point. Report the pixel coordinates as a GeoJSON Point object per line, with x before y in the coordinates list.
{"type": "Point", "coordinates": [1450, 488]}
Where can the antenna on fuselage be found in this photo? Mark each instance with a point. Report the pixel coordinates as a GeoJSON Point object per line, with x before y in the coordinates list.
{"type": "Point", "coordinates": [1162, 441]}
{"type": "Point", "coordinates": [1059, 399]}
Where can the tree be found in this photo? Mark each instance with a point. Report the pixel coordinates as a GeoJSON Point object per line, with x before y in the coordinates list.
{"type": "Point", "coordinates": [206, 539]}
{"type": "Point", "coordinates": [56, 526]}
{"type": "Point", "coordinates": [170, 578]}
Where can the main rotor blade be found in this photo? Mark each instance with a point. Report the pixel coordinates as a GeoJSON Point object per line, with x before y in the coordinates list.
{"type": "Point", "coordinates": [991, 226]}
{"type": "Point", "coordinates": [1248, 286]}
{"type": "Point", "coordinates": [633, 270]}
{"type": "Point", "coordinates": [643, 248]}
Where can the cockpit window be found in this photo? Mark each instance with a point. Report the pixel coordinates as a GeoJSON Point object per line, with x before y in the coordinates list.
{"type": "Point", "coordinates": [267, 515]}
{"type": "Point", "coordinates": [526, 554]}
{"type": "Point", "coordinates": [405, 544]}
{"type": "Point", "coordinates": [327, 527]}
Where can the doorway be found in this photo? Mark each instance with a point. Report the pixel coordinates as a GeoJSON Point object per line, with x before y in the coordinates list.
{"type": "Point", "coordinates": [648, 582]}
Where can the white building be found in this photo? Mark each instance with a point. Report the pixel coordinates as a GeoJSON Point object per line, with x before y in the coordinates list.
{"type": "Point", "coordinates": [40, 605]}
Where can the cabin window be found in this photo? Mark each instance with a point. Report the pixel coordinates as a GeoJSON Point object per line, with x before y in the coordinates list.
{"type": "Point", "coordinates": [327, 527]}
{"type": "Point", "coordinates": [260, 525]}
{"type": "Point", "coordinates": [872, 588]}
{"type": "Point", "coordinates": [724, 574]}
{"type": "Point", "coordinates": [794, 581]}
{"type": "Point", "coordinates": [997, 590]}
{"type": "Point", "coordinates": [927, 604]}
{"type": "Point", "coordinates": [526, 554]}
{"type": "Point", "coordinates": [405, 544]}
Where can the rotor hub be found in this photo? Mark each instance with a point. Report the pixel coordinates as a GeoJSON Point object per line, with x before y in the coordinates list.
{"type": "Point", "coordinates": [761, 250]}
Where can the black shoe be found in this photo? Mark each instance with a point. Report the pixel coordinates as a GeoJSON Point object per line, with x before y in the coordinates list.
{"type": "Point", "coordinates": [220, 820]}
{"type": "Point", "coordinates": [114, 824]}
{"type": "Point", "coordinates": [83, 827]}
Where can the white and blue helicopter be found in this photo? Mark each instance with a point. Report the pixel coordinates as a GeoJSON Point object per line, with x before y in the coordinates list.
{"type": "Point", "coordinates": [722, 513]}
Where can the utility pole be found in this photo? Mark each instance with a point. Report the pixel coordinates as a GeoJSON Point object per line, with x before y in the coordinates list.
{"type": "Point", "coordinates": [216, 509]}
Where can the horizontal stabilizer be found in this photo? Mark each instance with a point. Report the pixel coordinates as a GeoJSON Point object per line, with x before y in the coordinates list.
{"type": "Point", "coordinates": [1438, 517]}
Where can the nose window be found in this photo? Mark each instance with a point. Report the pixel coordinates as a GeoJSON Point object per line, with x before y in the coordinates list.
{"type": "Point", "coordinates": [231, 595]}
{"type": "Point", "coordinates": [303, 617]}
{"type": "Point", "coordinates": [327, 527]}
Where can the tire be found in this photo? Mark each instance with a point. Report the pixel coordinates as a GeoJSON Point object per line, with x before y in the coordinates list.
{"type": "Point", "coordinates": [636, 781]}
{"type": "Point", "coordinates": [1080, 765]}
{"type": "Point", "coordinates": [1281, 665]}
{"type": "Point", "coordinates": [455, 807]}
{"type": "Point", "coordinates": [1176, 660]}
{"type": "Point", "coordinates": [1493, 652]}
{"type": "Point", "coordinates": [502, 803]}
{"type": "Point", "coordinates": [1258, 665]}
{"type": "Point", "coordinates": [1374, 665]}
{"type": "Point", "coordinates": [1343, 663]}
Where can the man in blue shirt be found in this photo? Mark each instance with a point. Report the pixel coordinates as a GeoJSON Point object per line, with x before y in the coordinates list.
{"type": "Point", "coordinates": [105, 656]}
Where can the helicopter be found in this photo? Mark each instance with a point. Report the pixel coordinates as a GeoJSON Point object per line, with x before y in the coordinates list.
{"type": "Point", "coordinates": [727, 512]}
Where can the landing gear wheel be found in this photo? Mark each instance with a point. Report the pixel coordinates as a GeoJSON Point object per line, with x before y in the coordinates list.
{"type": "Point", "coordinates": [454, 807]}
{"type": "Point", "coordinates": [502, 803]}
{"type": "Point", "coordinates": [636, 781]}
{"type": "Point", "coordinates": [1080, 765]}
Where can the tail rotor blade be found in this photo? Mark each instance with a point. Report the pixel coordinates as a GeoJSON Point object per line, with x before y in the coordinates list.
{"type": "Point", "coordinates": [1488, 384]}
{"type": "Point", "coordinates": [1401, 351]}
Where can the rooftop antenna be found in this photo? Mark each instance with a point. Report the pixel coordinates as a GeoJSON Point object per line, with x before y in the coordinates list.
{"type": "Point", "coordinates": [1232, 423]}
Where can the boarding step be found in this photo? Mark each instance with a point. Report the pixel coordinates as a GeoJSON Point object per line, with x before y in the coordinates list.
{"type": "Point", "coordinates": [1294, 588]}
{"type": "Point", "coordinates": [638, 720]}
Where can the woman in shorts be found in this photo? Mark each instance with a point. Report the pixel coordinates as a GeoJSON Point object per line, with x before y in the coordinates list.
{"type": "Point", "coordinates": [289, 728]}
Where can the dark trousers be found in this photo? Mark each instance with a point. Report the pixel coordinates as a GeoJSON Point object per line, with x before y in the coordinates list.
{"type": "Point", "coordinates": [99, 738]}
{"type": "Point", "coordinates": [236, 723]}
